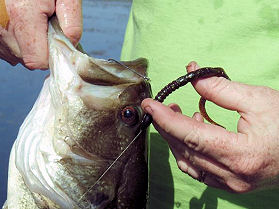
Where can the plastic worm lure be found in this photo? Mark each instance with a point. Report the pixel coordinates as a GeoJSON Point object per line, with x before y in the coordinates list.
{"type": "Point", "coordinates": [160, 97]}
{"type": "Point", "coordinates": [182, 81]}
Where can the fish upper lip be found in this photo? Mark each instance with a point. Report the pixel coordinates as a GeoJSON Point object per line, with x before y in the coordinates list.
{"type": "Point", "coordinates": [105, 73]}
{"type": "Point", "coordinates": [95, 79]}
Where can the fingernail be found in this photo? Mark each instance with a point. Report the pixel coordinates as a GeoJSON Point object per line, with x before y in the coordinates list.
{"type": "Point", "coordinates": [148, 109]}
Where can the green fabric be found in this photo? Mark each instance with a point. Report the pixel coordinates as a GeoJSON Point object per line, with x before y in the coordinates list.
{"type": "Point", "coordinates": [242, 36]}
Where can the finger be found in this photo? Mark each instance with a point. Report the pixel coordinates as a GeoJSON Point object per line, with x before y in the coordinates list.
{"type": "Point", "coordinates": [223, 92]}
{"type": "Point", "coordinates": [195, 172]}
{"type": "Point", "coordinates": [194, 164]}
{"type": "Point", "coordinates": [202, 161]}
{"type": "Point", "coordinates": [215, 174]}
{"type": "Point", "coordinates": [210, 140]}
{"type": "Point", "coordinates": [184, 165]}
{"type": "Point", "coordinates": [214, 152]}
{"type": "Point", "coordinates": [69, 14]}
{"type": "Point", "coordinates": [214, 181]}
{"type": "Point", "coordinates": [198, 117]}
{"type": "Point", "coordinates": [175, 108]}
{"type": "Point", "coordinates": [30, 29]}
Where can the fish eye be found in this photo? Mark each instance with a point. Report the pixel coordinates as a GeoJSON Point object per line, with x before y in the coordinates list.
{"type": "Point", "coordinates": [130, 115]}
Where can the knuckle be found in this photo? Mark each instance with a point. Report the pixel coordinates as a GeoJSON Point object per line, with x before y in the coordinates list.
{"type": "Point", "coordinates": [73, 33]}
{"type": "Point", "coordinates": [15, 6]}
{"type": "Point", "coordinates": [18, 9]}
{"type": "Point", "coordinates": [248, 167]}
{"type": "Point", "coordinates": [269, 94]}
{"type": "Point", "coordinates": [192, 139]}
{"type": "Point", "coordinates": [260, 92]}
{"type": "Point", "coordinates": [217, 85]}
{"type": "Point", "coordinates": [263, 90]}
{"type": "Point", "coordinates": [35, 62]}
{"type": "Point", "coordinates": [263, 98]}
{"type": "Point", "coordinates": [15, 11]}
{"type": "Point", "coordinates": [47, 7]}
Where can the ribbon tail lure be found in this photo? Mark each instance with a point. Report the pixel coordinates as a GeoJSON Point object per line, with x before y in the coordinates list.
{"type": "Point", "coordinates": [182, 81]}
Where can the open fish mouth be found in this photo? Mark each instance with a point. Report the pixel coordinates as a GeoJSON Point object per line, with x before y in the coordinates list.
{"type": "Point", "coordinates": [95, 80]}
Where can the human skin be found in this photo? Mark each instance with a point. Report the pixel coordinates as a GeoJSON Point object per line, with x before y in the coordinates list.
{"type": "Point", "coordinates": [237, 162]}
{"type": "Point", "coordinates": [24, 40]}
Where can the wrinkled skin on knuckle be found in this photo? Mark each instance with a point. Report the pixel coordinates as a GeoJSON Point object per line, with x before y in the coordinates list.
{"type": "Point", "coordinates": [33, 62]}
{"type": "Point", "coordinates": [14, 8]}
{"type": "Point", "coordinates": [257, 165]}
{"type": "Point", "coordinates": [250, 166]}
{"type": "Point", "coordinates": [20, 11]}
{"type": "Point", "coordinates": [192, 139]}
{"type": "Point", "coordinates": [15, 12]}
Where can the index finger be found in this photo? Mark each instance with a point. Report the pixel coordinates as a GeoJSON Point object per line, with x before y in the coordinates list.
{"type": "Point", "coordinates": [206, 139]}
{"type": "Point", "coordinates": [223, 92]}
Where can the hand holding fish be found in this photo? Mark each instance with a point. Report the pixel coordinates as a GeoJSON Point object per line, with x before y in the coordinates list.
{"type": "Point", "coordinates": [23, 31]}
{"type": "Point", "coordinates": [237, 162]}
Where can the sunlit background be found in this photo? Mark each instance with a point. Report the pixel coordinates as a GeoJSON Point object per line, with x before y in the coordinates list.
{"type": "Point", "coordinates": [104, 28]}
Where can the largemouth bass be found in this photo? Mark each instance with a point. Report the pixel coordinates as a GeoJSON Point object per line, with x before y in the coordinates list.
{"type": "Point", "coordinates": [85, 116]}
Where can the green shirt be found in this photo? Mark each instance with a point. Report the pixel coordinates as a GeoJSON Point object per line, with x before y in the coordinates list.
{"type": "Point", "coordinates": [242, 36]}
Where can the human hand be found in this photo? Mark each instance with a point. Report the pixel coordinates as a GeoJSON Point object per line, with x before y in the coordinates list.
{"type": "Point", "coordinates": [24, 39]}
{"type": "Point", "coordinates": [237, 162]}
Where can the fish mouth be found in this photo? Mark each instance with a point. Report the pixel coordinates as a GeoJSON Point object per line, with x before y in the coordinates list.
{"type": "Point", "coordinates": [92, 70]}
{"type": "Point", "coordinates": [109, 73]}
{"type": "Point", "coordinates": [98, 82]}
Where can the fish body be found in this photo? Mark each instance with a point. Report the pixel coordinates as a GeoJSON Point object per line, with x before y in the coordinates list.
{"type": "Point", "coordinates": [85, 116]}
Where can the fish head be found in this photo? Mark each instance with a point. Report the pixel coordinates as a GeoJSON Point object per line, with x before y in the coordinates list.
{"type": "Point", "coordinates": [97, 102]}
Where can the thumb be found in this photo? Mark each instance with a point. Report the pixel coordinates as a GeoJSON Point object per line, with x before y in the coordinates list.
{"type": "Point", "coordinates": [223, 92]}
{"type": "Point", "coordinates": [198, 136]}
{"type": "Point", "coordinates": [69, 14]}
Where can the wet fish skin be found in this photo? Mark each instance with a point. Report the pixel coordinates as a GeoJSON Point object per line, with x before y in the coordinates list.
{"type": "Point", "coordinates": [74, 132]}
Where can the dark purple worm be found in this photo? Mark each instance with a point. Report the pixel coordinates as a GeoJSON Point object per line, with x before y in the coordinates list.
{"type": "Point", "coordinates": [182, 81]}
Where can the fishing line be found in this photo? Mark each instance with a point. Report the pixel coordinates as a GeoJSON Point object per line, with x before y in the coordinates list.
{"type": "Point", "coordinates": [128, 68]}
{"type": "Point", "coordinates": [111, 165]}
